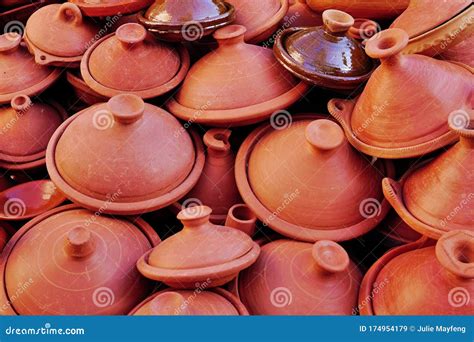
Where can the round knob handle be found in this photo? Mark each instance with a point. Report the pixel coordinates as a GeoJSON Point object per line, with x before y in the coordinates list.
{"type": "Point", "coordinates": [217, 140]}
{"type": "Point", "coordinates": [131, 34]}
{"type": "Point", "coordinates": [337, 21]}
{"type": "Point", "coordinates": [126, 108]}
{"type": "Point", "coordinates": [230, 34]}
{"type": "Point", "coordinates": [80, 242]}
{"type": "Point", "coordinates": [324, 135]}
{"type": "Point", "coordinates": [21, 103]}
{"type": "Point", "coordinates": [387, 43]}
{"type": "Point", "coordinates": [330, 256]}
{"type": "Point", "coordinates": [195, 215]}
{"type": "Point", "coordinates": [455, 251]}
{"type": "Point", "coordinates": [9, 41]}
{"type": "Point", "coordinates": [71, 13]}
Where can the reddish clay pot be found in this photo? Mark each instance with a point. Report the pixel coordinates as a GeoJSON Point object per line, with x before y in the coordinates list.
{"type": "Point", "coordinates": [199, 302]}
{"type": "Point", "coordinates": [190, 20]}
{"type": "Point", "coordinates": [83, 92]}
{"type": "Point", "coordinates": [103, 8]}
{"type": "Point", "coordinates": [419, 279]}
{"type": "Point", "coordinates": [462, 53]}
{"type": "Point", "coordinates": [300, 15]}
{"type": "Point", "coordinates": [19, 74]}
{"type": "Point", "coordinates": [363, 29]}
{"type": "Point", "coordinates": [124, 157]}
{"type": "Point", "coordinates": [59, 35]}
{"type": "Point", "coordinates": [297, 178]}
{"type": "Point", "coordinates": [26, 129]}
{"type": "Point", "coordinates": [438, 196]}
{"type": "Point", "coordinates": [125, 62]}
{"type": "Point", "coordinates": [372, 9]}
{"type": "Point", "coordinates": [201, 253]}
{"type": "Point", "coordinates": [235, 85]}
{"type": "Point", "coordinates": [84, 264]}
{"type": "Point", "coordinates": [297, 278]}
{"type": "Point", "coordinates": [260, 18]}
{"type": "Point", "coordinates": [325, 56]}
{"type": "Point", "coordinates": [387, 120]}
{"type": "Point", "coordinates": [241, 217]}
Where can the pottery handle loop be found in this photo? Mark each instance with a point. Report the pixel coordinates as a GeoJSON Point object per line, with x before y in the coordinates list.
{"type": "Point", "coordinates": [386, 44]}
{"type": "Point", "coordinates": [324, 135]}
{"type": "Point", "coordinates": [70, 12]}
{"type": "Point", "coordinates": [455, 251]}
{"type": "Point", "coordinates": [21, 103]}
{"type": "Point", "coordinates": [217, 140]}
{"type": "Point", "coordinates": [80, 242]}
{"type": "Point", "coordinates": [230, 35]}
{"type": "Point", "coordinates": [126, 108]}
{"type": "Point", "coordinates": [9, 41]}
{"type": "Point", "coordinates": [337, 21]}
{"type": "Point", "coordinates": [330, 257]}
{"type": "Point", "coordinates": [131, 34]}
{"type": "Point", "coordinates": [241, 217]}
{"type": "Point", "coordinates": [194, 216]}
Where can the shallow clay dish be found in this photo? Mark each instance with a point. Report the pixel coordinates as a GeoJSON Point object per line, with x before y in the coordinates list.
{"type": "Point", "coordinates": [372, 9]}
{"type": "Point", "coordinates": [103, 8]}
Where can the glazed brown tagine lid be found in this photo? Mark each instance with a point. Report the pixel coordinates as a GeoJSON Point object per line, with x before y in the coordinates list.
{"type": "Point", "coordinates": [189, 20]}
{"type": "Point", "coordinates": [325, 56]}
{"type": "Point", "coordinates": [197, 302]}
{"type": "Point", "coordinates": [125, 62]}
{"type": "Point", "coordinates": [438, 196]}
{"type": "Point", "coordinates": [422, 279]}
{"type": "Point", "coordinates": [307, 182]}
{"type": "Point", "coordinates": [403, 116]}
{"type": "Point", "coordinates": [19, 74]}
{"type": "Point", "coordinates": [235, 85]}
{"type": "Point", "coordinates": [102, 8]}
{"type": "Point", "coordinates": [74, 262]}
{"type": "Point", "coordinates": [298, 278]}
{"type": "Point", "coordinates": [201, 253]}
{"type": "Point", "coordinates": [27, 128]}
{"type": "Point", "coordinates": [372, 9]}
{"type": "Point", "coordinates": [59, 35]}
{"type": "Point", "coordinates": [124, 157]}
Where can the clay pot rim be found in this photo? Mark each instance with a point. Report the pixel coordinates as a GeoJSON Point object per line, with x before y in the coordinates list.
{"type": "Point", "coordinates": [286, 228]}
{"type": "Point", "coordinates": [44, 58]}
{"type": "Point", "coordinates": [122, 208]}
{"type": "Point", "coordinates": [320, 79]}
{"type": "Point", "coordinates": [145, 93]}
{"type": "Point", "coordinates": [342, 111]}
{"type": "Point", "coordinates": [261, 33]}
{"type": "Point", "coordinates": [102, 10]}
{"type": "Point", "coordinates": [79, 85]}
{"type": "Point", "coordinates": [238, 116]}
{"type": "Point", "coordinates": [234, 300]}
{"type": "Point", "coordinates": [141, 224]}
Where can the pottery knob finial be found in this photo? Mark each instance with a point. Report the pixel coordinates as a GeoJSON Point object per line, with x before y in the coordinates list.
{"type": "Point", "coordinates": [324, 135]}
{"type": "Point", "coordinates": [330, 256]}
{"type": "Point", "coordinates": [195, 215]}
{"type": "Point", "coordinates": [130, 34]}
{"type": "Point", "coordinates": [455, 251]}
{"type": "Point", "coordinates": [9, 41]}
{"type": "Point", "coordinates": [126, 108]}
{"type": "Point", "coordinates": [387, 43]}
{"type": "Point", "coordinates": [21, 103]}
{"type": "Point", "coordinates": [80, 242]}
{"type": "Point", "coordinates": [217, 140]}
{"type": "Point", "coordinates": [337, 21]}
{"type": "Point", "coordinates": [241, 217]}
{"type": "Point", "coordinates": [70, 12]}
{"type": "Point", "coordinates": [230, 34]}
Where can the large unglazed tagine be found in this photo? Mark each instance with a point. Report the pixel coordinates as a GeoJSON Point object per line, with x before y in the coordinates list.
{"type": "Point", "coordinates": [124, 157]}
{"type": "Point", "coordinates": [298, 278]}
{"type": "Point", "coordinates": [404, 108]}
{"type": "Point", "coordinates": [202, 254]}
{"type": "Point", "coordinates": [70, 261]}
{"type": "Point", "coordinates": [237, 84]}
{"type": "Point", "coordinates": [102, 8]}
{"type": "Point", "coordinates": [422, 279]}
{"type": "Point", "coordinates": [438, 196]}
{"type": "Point", "coordinates": [126, 62]}
{"type": "Point", "coordinates": [199, 302]}
{"type": "Point", "coordinates": [307, 182]}
{"type": "Point", "coordinates": [372, 9]}
{"type": "Point", "coordinates": [325, 56]}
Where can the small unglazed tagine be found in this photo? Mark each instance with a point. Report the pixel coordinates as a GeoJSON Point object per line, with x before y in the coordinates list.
{"type": "Point", "coordinates": [202, 254]}
{"type": "Point", "coordinates": [199, 302]}
{"type": "Point", "coordinates": [126, 62]}
{"type": "Point", "coordinates": [102, 8]}
{"type": "Point", "coordinates": [372, 9]}
{"type": "Point", "coordinates": [27, 127]}
{"type": "Point", "coordinates": [237, 84]}
{"type": "Point", "coordinates": [261, 18]}
{"type": "Point", "coordinates": [19, 74]}
{"type": "Point", "coordinates": [438, 196]}
{"type": "Point", "coordinates": [189, 20]}
{"type": "Point", "coordinates": [70, 261]}
{"type": "Point", "coordinates": [307, 182]}
{"type": "Point", "coordinates": [300, 15]}
{"type": "Point", "coordinates": [124, 157]}
{"type": "Point", "coordinates": [325, 56]}
{"type": "Point", "coordinates": [298, 278]}
{"type": "Point", "coordinates": [59, 35]}
{"type": "Point", "coordinates": [462, 53]}
{"type": "Point", "coordinates": [400, 113]}
{"type": "Point", "coordinates": [422, 279]}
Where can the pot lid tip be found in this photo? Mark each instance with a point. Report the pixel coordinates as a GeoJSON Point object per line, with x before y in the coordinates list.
{"type": "Point", "coordinates": [455, 251]}
{"type": "Point", "coordinates": [126, 108]}
{"type": "Point", "coordinates": [330, 256]}
{"type": "Point", "coordinates": [229, 32]}
{"type": "Point", "coordinates": [194, 214]}
{"type": "Point", "coordinates": [324, 134]}
{"type": "Point", "coordinates": [337, 21]}
{"type": "Point", "coordinates": [387, 43]}
{"type": "Point", "coordinates": [9, 41]}
{"type": "Point", "coordinates": [131, 33]}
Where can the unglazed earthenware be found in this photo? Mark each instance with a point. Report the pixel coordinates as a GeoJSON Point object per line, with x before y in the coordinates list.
{"type": "Point", "coordinates": [307, 182]}
{"type": "Point", "coordinates": [200, 254]}
{"type": "Point", "coordinates": [103, 8]}
{"type": "Point", "coordinates": [124, 157]}
{"type": "Point", "coordinates": [241, 217]}
{"type": "Point", "coordinates": [372, 9]}
{"type": "Point", "coordinates": [83, 264]}
{"type": "Point", "coordinates": [387, 120]}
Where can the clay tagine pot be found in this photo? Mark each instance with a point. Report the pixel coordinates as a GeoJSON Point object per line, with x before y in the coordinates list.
{"type": "Point", "coordinates": [237, 84]}
{"type": "Point", "coordinates": [103, 8]}
{"type": "Point", "coordinates": [387, 120]}
{"type": "Point", "coordinates": [19, 74]}
{"type": "Point", "coordinates": [200, 302]}
{"type": "Point", "coordinates": [300, 15]}
{"type": "Point", "coordinates": [189, 20]}
{"type": "Point", "coordinates": [298, 278]}
{"type": "Point", "coordinates": [372, 9]}
{"type": "Point", "coordinates": [296, 180]}
{"type": "Point", "coordinates": [83, 264]}
{"type": "Point", "coordinates": [201, 253]}
{"type": "Point", "coordinates": [125, 62]}
{"type": "Point", "coordinates": [260, 18]}
{"type": "Point", "coordinates": [325, 56]}
{"type": "Point", "coordinates": [124, 157]}
{"type": "Point", "coordinates": [422, 279]}
{"type": "Point", "coordinates": [438, 196]}
{"type": "Point", "coordinates": [59, 35]}
{"type": "Point", "coordinates": [27, 128]}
